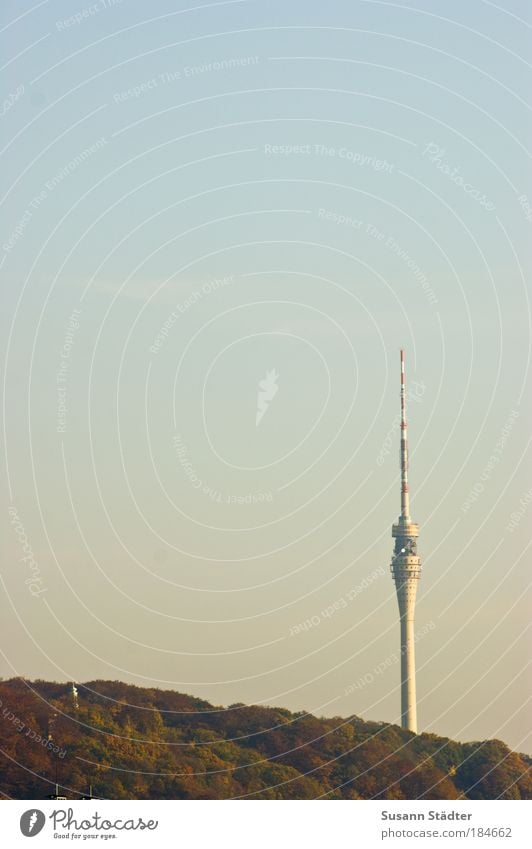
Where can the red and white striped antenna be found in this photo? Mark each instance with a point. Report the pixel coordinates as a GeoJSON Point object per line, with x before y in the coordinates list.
{"type": "Point", "coordinates": [405, 501]}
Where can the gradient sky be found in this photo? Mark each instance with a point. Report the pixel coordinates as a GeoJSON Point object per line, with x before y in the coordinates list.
{"type": "Point", "coordinates": [171, 541]}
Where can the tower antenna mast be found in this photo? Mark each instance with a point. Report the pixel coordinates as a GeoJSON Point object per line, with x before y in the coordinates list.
{"type": "Point", "coordinates": [405, 501]}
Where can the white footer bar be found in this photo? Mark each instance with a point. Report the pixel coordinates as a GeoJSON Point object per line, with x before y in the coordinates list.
{"type": "Point", "coordinates": [318, 824]}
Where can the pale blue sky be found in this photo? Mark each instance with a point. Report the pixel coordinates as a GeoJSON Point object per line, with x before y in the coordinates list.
{"type": "Point", "coordinates": [410, 120]}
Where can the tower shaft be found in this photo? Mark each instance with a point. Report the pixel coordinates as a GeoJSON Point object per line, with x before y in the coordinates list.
{"type": "Point", "coordinates": [406, 571]}
{"type": "Point", "coordinates": [406, 596]}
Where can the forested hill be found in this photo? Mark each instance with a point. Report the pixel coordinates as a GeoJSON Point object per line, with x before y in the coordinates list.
{"type": "Point", "coordinates": [137, 743]}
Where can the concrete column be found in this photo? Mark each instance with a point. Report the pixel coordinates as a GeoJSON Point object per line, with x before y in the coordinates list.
{"type": "Point", "coordinates": [408, 668]}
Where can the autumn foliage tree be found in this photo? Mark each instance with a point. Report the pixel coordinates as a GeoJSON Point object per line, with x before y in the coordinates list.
{"type": "Point", "coordinates": [139, 743]}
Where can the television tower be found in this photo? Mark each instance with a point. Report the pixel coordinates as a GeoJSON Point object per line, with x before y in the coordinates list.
{"type": "Point", "coordinates": [406, 571]}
